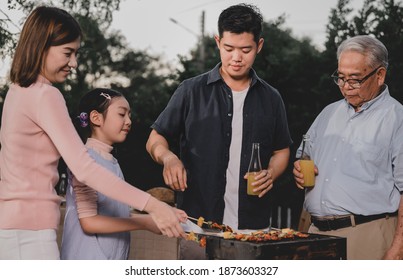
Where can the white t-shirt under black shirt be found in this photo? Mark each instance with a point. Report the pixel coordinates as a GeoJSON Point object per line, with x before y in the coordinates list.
{"type": "Point", "coordinates": [232, 187]}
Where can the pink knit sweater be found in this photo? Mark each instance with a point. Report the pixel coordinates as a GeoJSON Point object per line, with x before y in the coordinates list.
{"type": "Point", "coordinates": [36, 130]}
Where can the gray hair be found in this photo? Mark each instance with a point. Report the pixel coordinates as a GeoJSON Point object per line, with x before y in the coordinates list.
{"type": "Point", "coordinates": [371, 47]}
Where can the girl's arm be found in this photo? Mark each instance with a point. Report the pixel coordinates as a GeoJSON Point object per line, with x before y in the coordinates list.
{"type": "Point", "coordinates": [105, 224]}
{"type": "Point", "coordinates": [86, 200]}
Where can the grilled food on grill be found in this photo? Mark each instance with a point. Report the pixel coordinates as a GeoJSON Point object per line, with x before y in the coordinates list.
{"type": "Point", "coordinates": [211, 225]}
{"type": "Point", "coordinates": [260, 236]}
{"type": "Point", "coordinates": [255, 236]}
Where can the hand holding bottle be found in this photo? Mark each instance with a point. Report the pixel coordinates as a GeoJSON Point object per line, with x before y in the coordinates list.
{"type": "Point", "coordinates": [305, 166]}
{"type": "Point", "coordinates": [255, 168]}
{"type": "Point", "coordinates": [259, 179]}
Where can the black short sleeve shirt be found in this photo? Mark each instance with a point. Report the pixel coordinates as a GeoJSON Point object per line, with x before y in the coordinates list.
{"type": "Point", "coordinates": [199, 114]}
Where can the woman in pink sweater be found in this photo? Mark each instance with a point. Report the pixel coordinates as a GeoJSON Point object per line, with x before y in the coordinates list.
{"type": "Point", "coordinates": [36, 130]}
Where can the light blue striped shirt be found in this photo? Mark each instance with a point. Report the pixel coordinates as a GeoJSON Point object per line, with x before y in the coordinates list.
{"type": "Point", "coordinates": [359, 156]}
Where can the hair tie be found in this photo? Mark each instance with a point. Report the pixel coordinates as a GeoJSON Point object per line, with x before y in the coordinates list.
{"type": "Point", "coordinates": [107, 96]}
{"type": "Point", "coordinates": [83, 117]}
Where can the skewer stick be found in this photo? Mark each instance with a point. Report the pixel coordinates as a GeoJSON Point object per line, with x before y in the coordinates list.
{"type": "Point", "coordinates": [197, 220]}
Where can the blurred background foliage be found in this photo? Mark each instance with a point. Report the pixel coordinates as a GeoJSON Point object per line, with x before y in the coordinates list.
{"type": "Point", "coordinates": [299, 70]}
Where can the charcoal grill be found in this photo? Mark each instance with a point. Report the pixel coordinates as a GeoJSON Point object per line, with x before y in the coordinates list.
{"type": "Point", "coordinates": [313, 247]}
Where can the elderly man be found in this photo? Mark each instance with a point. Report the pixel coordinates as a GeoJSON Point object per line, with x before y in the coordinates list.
{"type": "Point", "coordinates": [356, 144]}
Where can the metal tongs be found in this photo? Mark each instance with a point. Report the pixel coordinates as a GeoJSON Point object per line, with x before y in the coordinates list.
{"type": "Point", "coordinates": [206, 226]}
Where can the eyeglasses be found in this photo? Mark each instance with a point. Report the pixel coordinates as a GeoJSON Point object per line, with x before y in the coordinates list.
{"type": "Point", "coordinates": [354, 83]}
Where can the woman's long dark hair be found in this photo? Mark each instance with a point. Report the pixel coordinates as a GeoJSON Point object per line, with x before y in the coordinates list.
{"type": "Point", "coordinates": [45, 27]}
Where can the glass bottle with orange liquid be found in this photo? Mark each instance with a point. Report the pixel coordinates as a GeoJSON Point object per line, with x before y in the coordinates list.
{"type": "Point", "coordinates": [307, 165]}
{"type": "Point", "coordinates": [255, 167]}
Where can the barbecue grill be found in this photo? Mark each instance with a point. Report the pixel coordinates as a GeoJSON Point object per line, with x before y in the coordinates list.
{"type": "Point", "coordinates": [313, 247]}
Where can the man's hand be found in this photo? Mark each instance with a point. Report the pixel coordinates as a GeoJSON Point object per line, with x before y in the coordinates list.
{"type": "Point", "coordinates": [298, 176]}
{"type": "Point", "coordinates": [174, 173]}
{"type": "Point", "coordinates": [263, 183]}
{"type": "Point", "coordinates": [393, 254]}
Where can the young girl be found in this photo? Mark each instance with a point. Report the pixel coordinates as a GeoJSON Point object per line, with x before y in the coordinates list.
{"type": "Point", "coordinates": [36, 130]}
{"type": "Point", "coordinates": [96, 226]}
